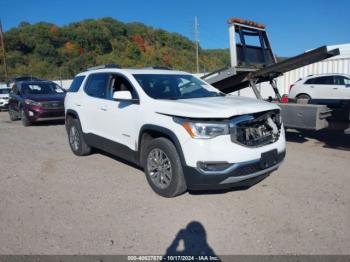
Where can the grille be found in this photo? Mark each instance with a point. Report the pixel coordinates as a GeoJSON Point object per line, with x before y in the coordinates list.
{"type": "Point", "coordinates": [51, 114]}
{"type": "Point", "coordinates": [247, 169]}
{"type": "Point", "coordinates": [256, 129]}
{"type": "Point", "coordinates": [53, 104]}
{"type": "Point", "coordinates": [254, 167]}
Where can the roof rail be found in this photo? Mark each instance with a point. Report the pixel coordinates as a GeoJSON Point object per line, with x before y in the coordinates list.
{"type": "Point", "coordinates": [103, 67]}
{"type": "Point", "coordinates": [160, 67]}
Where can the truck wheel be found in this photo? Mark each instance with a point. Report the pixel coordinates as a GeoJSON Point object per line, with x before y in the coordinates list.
{"type": "Point", "coordinates": [303, 99]}
{"type": "Point", "coordinates": [76, 138]}
{"type": "Point", "coordinates": [163, 168]}
{"type": "Point", "coordinates": [24, 118]}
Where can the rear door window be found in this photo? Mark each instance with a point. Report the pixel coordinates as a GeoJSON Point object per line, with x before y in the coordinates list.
{"type": "Point", "coordinates": [323, 80]}
{"type": "Point", "coordinates": [96, 85]}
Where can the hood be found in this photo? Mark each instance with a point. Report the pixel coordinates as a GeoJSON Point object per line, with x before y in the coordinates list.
{"type": "Point", "coordinates": [48, 97]}
{"type": "Point", "coordinates": [214, 107]}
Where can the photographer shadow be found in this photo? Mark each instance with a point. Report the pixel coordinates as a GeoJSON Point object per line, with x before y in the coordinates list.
{"type": "Point", "coordinates": [191, 241]}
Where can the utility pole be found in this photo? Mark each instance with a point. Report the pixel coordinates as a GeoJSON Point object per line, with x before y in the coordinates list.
{"type": "Point", "coordinates": [2, 50]}
{"type": "Point", "coordinates": [196, 39]}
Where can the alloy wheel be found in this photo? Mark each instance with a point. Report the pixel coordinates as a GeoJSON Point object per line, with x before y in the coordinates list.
{"type": "Point", "coordinates": [74, 138]}
{"type": "Point", "coordinates": [159, 168]}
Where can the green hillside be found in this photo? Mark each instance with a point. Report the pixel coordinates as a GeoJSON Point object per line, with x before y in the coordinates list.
{"type": "Point", "coordinates": [49, 51]}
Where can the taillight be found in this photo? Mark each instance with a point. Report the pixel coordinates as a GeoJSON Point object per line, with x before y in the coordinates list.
{"type": "Point", "coordinates": [284, 99]}
{"type": "Point", "coordinates": [290, 87]}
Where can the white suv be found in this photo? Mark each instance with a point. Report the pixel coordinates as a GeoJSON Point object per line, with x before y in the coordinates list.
{"type": "Point", "coordinates": [183, 132]}
{"type": "Point", "coordinates": [321, 89]}
{"type": "Point", "coordinates": [4, 97]}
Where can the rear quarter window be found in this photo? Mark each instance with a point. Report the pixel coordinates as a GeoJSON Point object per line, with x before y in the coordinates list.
{"type": "Point", "coordinates": [74, 87]}
{"type": "Point", "coordinates": [309, 81]}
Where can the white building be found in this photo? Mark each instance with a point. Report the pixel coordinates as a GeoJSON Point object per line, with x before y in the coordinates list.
{"type": "Point", "coordinates": [64, 83]}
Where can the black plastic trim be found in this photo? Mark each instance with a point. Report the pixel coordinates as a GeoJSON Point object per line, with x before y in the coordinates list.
{"type": "Point", "coordinates": [168, 133]}
{"type": "Point", "coordinates": [72, 112]}
{"type": "Point", "coordinates": [199, 181]}
{"type": "Point", "coordinates": [111, 147]}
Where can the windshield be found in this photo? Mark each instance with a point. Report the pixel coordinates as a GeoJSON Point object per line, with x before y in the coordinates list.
{"type": "Point", "coordinates": [41, 88]}
{"type": "Point", "coordinates": [175, 86]}
{"type": "Point", "coordinates": [4, 91]}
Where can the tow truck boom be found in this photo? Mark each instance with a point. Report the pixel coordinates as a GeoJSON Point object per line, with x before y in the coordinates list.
{"type": "Point", "coordinates": [254, 62]}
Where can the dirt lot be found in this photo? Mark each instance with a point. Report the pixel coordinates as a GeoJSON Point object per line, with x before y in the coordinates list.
{"type": "Point", "coordinates": [52, 202]}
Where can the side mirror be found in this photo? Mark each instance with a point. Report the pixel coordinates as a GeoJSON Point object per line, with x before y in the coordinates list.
{"type": "Point", "coordinates": [124, 96]}
{"type": "Point", "coordinates": [347, 85]}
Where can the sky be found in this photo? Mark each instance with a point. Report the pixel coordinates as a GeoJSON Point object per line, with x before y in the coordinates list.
{"type": "Point", "coordinates": [293, 26]}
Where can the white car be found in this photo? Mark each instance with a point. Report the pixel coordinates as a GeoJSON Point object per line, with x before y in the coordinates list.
{"type": "Point", "coordinates": [321, 89]}
{"type": "Point", "coordinates": [183, 132]}
{"type": "Point", "coordinates": [4, 97]}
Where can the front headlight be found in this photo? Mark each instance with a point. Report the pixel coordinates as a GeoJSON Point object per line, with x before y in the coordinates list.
{"type": "Point", "coordinates": [31, 102]}
{"type": "Point", "coordinates": [203, 130]}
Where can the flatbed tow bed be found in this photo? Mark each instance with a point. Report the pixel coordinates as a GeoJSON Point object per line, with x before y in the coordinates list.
{"type": "Point", "coordinates": [251, 65]}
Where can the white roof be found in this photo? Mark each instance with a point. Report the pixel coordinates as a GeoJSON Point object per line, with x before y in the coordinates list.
{"type": "Point", "coordinates": [326, 74]}
{"type": "Point", "coordinates": [344, 51]}
{"type": "Point", "coordinates": [155, 71]}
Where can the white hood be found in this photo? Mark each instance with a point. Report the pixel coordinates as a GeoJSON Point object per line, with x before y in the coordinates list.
{"type": "Point", "coordinates": [213, 107]}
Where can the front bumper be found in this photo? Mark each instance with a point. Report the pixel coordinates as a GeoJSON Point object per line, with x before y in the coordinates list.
{"type": "Point", "coordinates": [4, 104]}
{"type": "Point", "coordinates": [240, 174]}
{"type": "Point", "coordinates": [36, 113]}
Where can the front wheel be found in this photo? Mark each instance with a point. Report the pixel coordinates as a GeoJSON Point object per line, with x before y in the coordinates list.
{"type": "Point", "coordinates": [12, 114]}
{"type": "Point", "coordinates": [163, 168]}
{"type": "Point", "coordinates": [24, 118]}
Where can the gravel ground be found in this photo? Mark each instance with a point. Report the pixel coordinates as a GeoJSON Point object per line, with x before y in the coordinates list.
{"type": "Point", "coordinates": [53, 202]}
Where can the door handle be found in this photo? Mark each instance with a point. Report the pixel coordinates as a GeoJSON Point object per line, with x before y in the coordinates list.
{"type": "Point", "coordinates": [78, 104]}
{"type": "Point", "coordinates": [312, 86]}
{"type": "Point", "coordinates": [104, 108]}
{"type": "Point", "coordinates": [335, 88]}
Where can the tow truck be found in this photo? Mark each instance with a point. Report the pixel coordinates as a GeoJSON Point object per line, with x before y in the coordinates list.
{"type": "Point", "coordinates": [254, 64]}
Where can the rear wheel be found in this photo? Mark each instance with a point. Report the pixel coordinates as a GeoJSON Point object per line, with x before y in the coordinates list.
{"type": "Point", "coordinates": [163, 168]}
{"type": "Point", "coordinates": [24, 118]}
{"type": "Point", "coordinates": [303, 99]}
{"type": "Point", "coordinates": [76, 139]}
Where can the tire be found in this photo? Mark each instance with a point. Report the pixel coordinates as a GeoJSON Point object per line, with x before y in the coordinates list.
{"type": "Point", "coordinates": [76, 139]}
{"type": "Point", "coordinates": [24, 118]}
{"type": "Point", "coordinates": [303, 99]}
{"type": "Point", "coordinates": [13, 115]}
{"type": "Point", "coordinates": [161, 153]}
